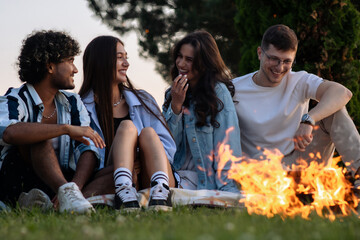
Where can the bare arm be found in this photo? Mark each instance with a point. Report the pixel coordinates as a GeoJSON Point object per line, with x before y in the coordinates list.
{"type": "Point", "coordinates": [332, 97]}
{"type": "Point", "coordinates": [23, 133]}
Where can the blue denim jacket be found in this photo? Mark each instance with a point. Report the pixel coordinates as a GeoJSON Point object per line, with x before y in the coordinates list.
{"type": "Point", "coordinates": [24, 105]}
{"type": "Point", "coordinates": [203, 141]}
{"type": "Point", "coordinates": [140, 117]}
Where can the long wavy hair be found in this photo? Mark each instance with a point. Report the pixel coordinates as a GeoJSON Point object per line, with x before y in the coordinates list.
{"type": "Point", "coordinates": [211, 69]}
{"type": "Point", "coordinates": [99, 66]}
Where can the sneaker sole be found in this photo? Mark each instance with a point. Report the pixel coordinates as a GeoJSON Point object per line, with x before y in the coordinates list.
{"type": "Point", "coordinates": [128, 210]}
{"type": "Point", "coordinates": [158, 208]}
{"type": "Point", "coordinates": [80, 210]}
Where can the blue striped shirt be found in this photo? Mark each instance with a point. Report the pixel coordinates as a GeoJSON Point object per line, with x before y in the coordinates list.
{"type": "Point", "coordinates": [24, 105]}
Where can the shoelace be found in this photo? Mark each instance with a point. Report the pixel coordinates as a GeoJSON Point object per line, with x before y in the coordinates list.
{"type": "Point", "coordinates": [73, 194]}
{"type": "Point", "coordinates": [159, 192]}
{"type": "Point", "coordinates": [127, 193]}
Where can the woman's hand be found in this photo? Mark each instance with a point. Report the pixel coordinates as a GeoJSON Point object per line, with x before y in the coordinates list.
{"type": "Point", "coordinates": [178, 93]}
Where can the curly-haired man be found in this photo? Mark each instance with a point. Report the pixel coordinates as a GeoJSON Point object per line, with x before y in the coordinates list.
{"type": "Point", "coordinates": [45, 136]}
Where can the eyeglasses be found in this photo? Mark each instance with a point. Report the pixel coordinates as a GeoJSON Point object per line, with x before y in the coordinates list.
{"type": "Point", "coordinates": [276, 61]}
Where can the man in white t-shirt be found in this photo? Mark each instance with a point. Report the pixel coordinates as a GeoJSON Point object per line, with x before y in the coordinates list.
{"type": "Point", "coordinates": [272, 106]}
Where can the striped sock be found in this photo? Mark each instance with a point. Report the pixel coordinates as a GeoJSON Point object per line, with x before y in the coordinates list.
{"type": "Point", "coordinates": [122, 176]}
{"type": "Point", "coordinates": [160, 177]}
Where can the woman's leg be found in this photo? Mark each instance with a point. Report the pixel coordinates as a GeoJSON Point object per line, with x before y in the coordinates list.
{"type": "Point", "coordinates": [153, 157]}
{"type": "Point", "coordinates": [123, 148]}
{"type": "Point", "coordinates": [155, 170]}
{"type": "Point", "coordinates": [122, 155]}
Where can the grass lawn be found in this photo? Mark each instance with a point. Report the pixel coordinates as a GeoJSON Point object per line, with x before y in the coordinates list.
{"type": "Point", "coordinates": [182, 223]}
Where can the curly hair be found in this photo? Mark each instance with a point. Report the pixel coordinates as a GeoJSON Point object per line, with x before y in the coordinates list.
{"type": "Point", "coordinates": [41, 48]}
{"type": "Point", "coordinates": [212, 69]}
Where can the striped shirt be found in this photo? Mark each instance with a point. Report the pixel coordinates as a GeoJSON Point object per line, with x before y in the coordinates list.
{"type": "Point", "coordinates": [24, 105]}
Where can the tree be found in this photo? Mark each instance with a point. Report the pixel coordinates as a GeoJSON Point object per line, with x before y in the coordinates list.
{"type": "Point", "coordinates": [328, 31]}
{"type": "Point", "coordinates": [160, 23]}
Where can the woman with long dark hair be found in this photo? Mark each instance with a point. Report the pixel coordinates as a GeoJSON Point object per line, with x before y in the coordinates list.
{"type": "Point", "coordinates": [131, 124]}
{"type": "Point", "coordinates": [199, 110]}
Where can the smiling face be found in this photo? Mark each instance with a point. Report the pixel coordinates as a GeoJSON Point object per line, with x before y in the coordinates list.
{"type": "Point", "coordinates": [274, 65]}
{"type": "Point", "coordinates": [62, 74]}
{"type": "Point", "coordinates": [184, 63]}
{"type": "Point", "coordinates": [122, 64]}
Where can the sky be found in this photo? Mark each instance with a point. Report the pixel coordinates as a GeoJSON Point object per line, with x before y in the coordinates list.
{"type": "Point", "coordinates": [19, 18]}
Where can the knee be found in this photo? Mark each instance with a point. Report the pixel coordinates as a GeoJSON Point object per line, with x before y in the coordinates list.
{"type": "Point", "coordinates": [41, 149]}
{"type": "Point", "coordinates": [42, 146]}
{"type": "Point", "coordinates": [147, 134]}
{"type": "Point", "coordinates": [127, 127]}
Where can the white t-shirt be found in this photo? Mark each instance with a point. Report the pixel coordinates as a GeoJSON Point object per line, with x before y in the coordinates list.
{"type": "Point", "coordinates": [270, 116]}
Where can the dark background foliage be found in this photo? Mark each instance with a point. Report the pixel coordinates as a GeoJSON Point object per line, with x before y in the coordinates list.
{"type": "Point", "coordinates": [328, 30]}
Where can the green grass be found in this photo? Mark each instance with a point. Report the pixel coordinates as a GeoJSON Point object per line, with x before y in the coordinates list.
{"type": "Point", "coordinates": [182, 223]}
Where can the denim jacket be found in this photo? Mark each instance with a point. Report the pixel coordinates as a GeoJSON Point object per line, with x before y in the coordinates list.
{"type": "Point", "coordinates": [139, 116]}
{"type": "Point", "coordinates": [203, 141]}
{"type": "Point", "coordinates": [24, 105]}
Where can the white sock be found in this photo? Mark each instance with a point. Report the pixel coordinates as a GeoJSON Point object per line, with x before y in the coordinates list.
{"type": "Point", "coordinates": [160, 177]}
{"type": "Point", "coordinates": [122, 176]}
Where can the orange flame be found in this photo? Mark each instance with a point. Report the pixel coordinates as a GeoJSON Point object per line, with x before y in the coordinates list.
{"type": "Point", "coordinates": [269, 189]}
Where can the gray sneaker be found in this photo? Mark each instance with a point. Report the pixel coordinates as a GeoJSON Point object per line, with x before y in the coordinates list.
{"type": "Point", "coordinates": [35, 198]}
{"type": "Point", "coordinates": [72, 200]}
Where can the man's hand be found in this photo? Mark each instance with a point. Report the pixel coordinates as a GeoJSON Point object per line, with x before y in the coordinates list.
{"type": "Point", "coordinates": [78, 133]}
{"type": "Point", "coordinates": [178, 93]}
{"type": "Point", "coordinates": [303, 137]}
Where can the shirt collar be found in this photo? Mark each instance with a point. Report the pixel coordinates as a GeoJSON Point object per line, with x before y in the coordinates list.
{"type": "Point", "coordinates": [59, 97]}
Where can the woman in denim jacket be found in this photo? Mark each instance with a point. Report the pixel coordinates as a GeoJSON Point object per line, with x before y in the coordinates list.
{"type": "Point", "coordinates": [131, 124]}
{"type": "Point", "coordinates": [199, 110]}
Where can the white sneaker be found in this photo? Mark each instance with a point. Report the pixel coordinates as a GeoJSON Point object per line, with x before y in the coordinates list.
{"type": "Point", "coordinates": [35, 198]}
{"type": "Point", "coordinates": [71, 199]}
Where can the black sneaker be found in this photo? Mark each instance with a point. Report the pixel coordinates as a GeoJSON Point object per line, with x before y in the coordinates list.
{"type": "Point", "coordinates": [160, 197]}
{"type": "Point", "coordinates": [126, 200]}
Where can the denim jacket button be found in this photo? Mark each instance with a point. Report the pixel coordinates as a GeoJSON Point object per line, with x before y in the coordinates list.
{"type": "Point", "coordinates": [194, 139]}
{"type": "Point", "coordinates": [199, 160]}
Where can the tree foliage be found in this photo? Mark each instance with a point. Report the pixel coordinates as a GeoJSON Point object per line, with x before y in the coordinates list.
{"type": "Point", "coordinates": [159, 23]}
{"type": "Point", "coordinates": [328, 31]}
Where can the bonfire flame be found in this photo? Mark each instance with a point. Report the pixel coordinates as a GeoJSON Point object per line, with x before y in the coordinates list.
{"type": "Point", "coordinates": [269, 189]}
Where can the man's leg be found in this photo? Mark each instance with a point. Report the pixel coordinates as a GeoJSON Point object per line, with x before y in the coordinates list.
{"type": "Point", "coordinates": [17, 176]}
{"type": "Point", "coordinates": [336, 131]}
{"type": "Point", "coordinates": [46, 165]}
{"type": "Point", "coordinates": [346, 138]}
